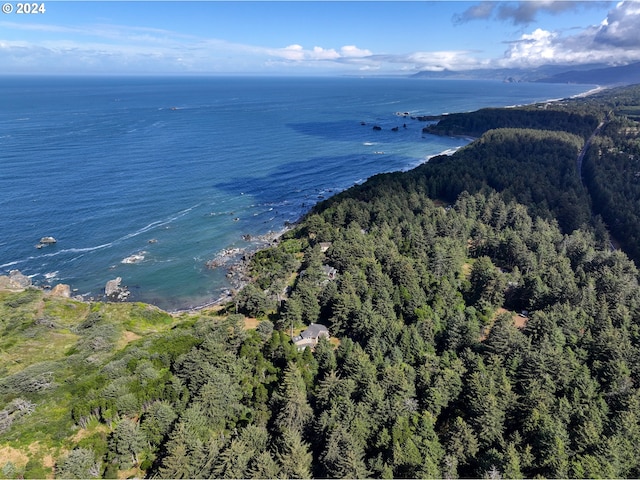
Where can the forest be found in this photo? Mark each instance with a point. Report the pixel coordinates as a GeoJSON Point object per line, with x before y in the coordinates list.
{"type": "Point", "coordinates": [481, 326]}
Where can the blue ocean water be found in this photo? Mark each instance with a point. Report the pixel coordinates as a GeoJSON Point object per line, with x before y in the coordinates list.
{"type": "Point", "coordinates": [177, 169]}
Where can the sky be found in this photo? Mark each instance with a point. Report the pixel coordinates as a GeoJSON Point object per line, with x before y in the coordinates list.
{"type": "Point", "coordinates": [313, 37]}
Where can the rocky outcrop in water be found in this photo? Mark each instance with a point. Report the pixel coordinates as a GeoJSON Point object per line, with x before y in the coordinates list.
{"type": "Point", "coordinates": [135, 258]}
{"type": "Point", "coordinates": [225, 257]}
{"type": "Point", "coordinates": [116, 292]}
{"type": "Point", "coordinates": [46, 241]}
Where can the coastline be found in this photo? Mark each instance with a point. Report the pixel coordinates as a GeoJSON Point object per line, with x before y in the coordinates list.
{"type": "Point", "coordinates": [234, 261]}
{"type": "Point", "coordinates": [236, 264]}
{"type": "Point", "coordinates": [593, 91]}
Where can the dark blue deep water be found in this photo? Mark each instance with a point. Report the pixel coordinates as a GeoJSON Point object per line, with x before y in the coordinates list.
{"type": "Point", "coordinates": [177, 169]}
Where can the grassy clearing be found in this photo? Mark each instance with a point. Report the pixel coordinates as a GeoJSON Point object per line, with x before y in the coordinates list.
{"type": "Point", "coordinates": [46, 346]}
{"type": "Point", "coordinates": [500, 311]}
{"type": "Point", "coordinates": [126, 338]}
{"type": "Point", "coordinates": [466, 269]}
{"type": "Point", "coordinates": [9, 454]}
{"type": "Point", "coordinates": [251, 323]}
{"type": "Point", "coordinates": [520, 321]}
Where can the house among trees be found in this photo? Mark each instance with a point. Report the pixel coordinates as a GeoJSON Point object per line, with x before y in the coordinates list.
{"type": "Point", "coordinates": [311, 336]}
{"type": "Point", "coordinates": [329, 271]}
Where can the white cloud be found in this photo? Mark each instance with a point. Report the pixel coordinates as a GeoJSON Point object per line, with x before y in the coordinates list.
{"type": "Point", "coordinates": [116, 48]}
{"type": "Point", "coordinates": [532, 49]}
{"type": "Point", "coordinates": [615, 41]}
{"type": "Point", "coordinates": [444, 60]}
{"type": "Point", "coordinates": [297, 53]}
{"type": "Point", "coordinates": [320, 53]}
{"type": "Point", "coordinates": [351, 51]}
{"type": "Point", "coordinates": [434, 61]}
{"type": "Point", "coordinates": [622, 26]}
{"type": "Point", "coordinates": [292, 52]}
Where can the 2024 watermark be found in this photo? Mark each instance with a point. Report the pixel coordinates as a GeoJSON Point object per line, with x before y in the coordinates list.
{"type": "Point", "coordinates": [24, 8]}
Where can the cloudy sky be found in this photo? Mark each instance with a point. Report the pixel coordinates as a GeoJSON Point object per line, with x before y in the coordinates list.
{"type": "Point", "coordinates": [313, 38]}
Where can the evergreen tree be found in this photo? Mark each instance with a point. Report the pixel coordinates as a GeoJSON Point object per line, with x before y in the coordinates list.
{"type": "Point", "coordinates": [294, 457]}
{"type": "Point", "coordinates": [78, 463]}
{"type": "Point", "coordinates": [264, 466]}
{"type": "Point", "coordinates": [233, 461]}
{"type": "Point", "coordinates": [343, 457]}
{"type": "Point", "coordinates": [126, 442]}
{"type": "Point", "coordinates": [292, 409]}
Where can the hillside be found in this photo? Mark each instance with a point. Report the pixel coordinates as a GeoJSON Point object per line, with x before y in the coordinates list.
{"type": "Point", "coordinates": [481, 325]}
{"type": "Point", "coordinates": [587, 74]}
{"type": "Point", "coordinates": [618, 75]}
{"type": "Point", "coordinates": [609, 173]}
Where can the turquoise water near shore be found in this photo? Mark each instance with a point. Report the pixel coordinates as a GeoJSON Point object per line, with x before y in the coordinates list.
{"type": "Point", "coordinates": [175, 170]}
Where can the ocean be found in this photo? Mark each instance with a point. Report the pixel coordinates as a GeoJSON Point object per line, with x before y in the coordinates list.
{"type": "Point", "coordinates": [147, 179]}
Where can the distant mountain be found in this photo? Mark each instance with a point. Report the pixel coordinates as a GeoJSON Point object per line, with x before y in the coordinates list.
{"type": "Point", "coordinates": [623, 75]}
{"type": "Point", "coordinates": [507, 74]}
{"type": "Point", "coordinates": [587, 74]}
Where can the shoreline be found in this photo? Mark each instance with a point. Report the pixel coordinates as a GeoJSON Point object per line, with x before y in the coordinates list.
{"type": "Point", "coordinates": [593, 91]}
{"type": "Point", "coordinates": [235, 260]}
{"type": "Point", "coordinates": [237, 268]}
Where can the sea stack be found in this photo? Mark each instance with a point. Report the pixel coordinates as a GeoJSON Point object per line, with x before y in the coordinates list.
{"type": "Point", "coordinates": [46, 241]}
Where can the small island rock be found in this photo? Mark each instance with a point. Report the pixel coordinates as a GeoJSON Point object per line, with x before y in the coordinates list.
{"type": "Point", "coordinates": [46, 241]}
{"type": "Point", "coordinates": [135, 258]}
{"type": "Point", "coordinates": [112, 286]}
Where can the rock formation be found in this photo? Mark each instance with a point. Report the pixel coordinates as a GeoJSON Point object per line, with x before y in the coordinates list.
{"type": "Point", "coordinates": [115, 292]}
{"type": "Point", "coordinates": [61, 290]}
{"type": "Point", "coordinates": [46, 241]}
{"type": "Point", "coordinates": [14, 281]}
{"type": "Point", "coordinates": [18, 279]}
{"type": "Point", "coordinates": [135, 258]}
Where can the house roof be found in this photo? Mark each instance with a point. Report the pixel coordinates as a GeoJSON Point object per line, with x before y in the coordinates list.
{"type": "Point", "coordinates": [315, 330]}
{"type": "Point", "coordinates": [329, 270]}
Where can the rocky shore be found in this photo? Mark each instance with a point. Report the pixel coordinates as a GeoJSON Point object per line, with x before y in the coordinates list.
{"type": "Point", "coordinates": [115, 291]}
{"type": "Point", "coordinates": [235, 261]}
{"type": "Point", "coordinates": [16, 281]}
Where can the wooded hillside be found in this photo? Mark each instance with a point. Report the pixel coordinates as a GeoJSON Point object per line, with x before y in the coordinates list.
{"type": "Point", "coordinates": [481, 326]}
